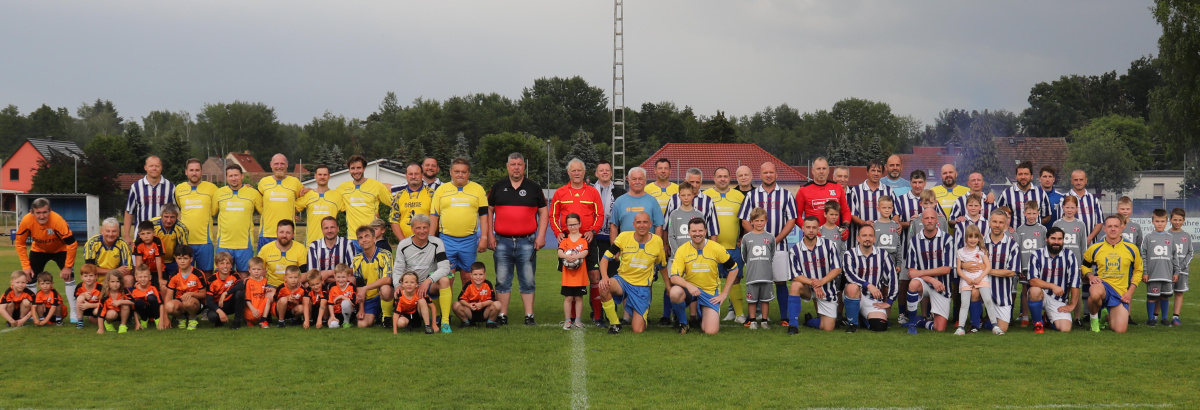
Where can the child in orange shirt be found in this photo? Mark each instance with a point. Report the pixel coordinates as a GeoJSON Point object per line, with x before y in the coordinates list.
{"type": "Point", "coordinates": [48, 306]}
{"type": "Point", "coordinates": [258, 294]}
{"type": "Point", "coordinates": [289, 298]}
{"type": "Point", "coordinates": [411, 310]}
{"type": "Point", "coordinates": [147, 301]}
{"type": "Point", "coordinates": [149, 251]}
{"type": "Point", "coordinates": [186, 290]}
{"type": "Point", "coordinates": [226, 295]}
{"type": "Point", "coordinates": [573, 250]}
{"type": "Point", "coordinates": [340, 297]}
{"type": "Point", "coordinates": [115, 303]}
{"type": "Point", "coordinates": [17, 303]}
{"type": "Point", "coordinates": [87, 297]}
{"type": "Point", "coordinates": [477, 302]}
{"type": "Point", "coordinates": [314, 299]}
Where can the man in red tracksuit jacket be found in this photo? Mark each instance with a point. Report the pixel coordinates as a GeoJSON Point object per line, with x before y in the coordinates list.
{"type": "Point", "coordinates": [811, 198]}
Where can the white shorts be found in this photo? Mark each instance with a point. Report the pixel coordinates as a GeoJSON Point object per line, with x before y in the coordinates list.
{"type": "Point", "coordinates": [780, 267]}
{"type": "Point", "coordinates": [866, 306]}
{"type": "Point", "coordinates": [1051, 305]}
{"type": "Point", "coordinates": [999, 313]}
{"type": "Point", "coordinates": [825, 308]}
{"type": "Point", "coordinates": [938, 304]}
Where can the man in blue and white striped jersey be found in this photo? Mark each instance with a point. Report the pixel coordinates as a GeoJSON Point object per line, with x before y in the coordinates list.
{"type": "Point", "coordinates": [929, 260]}
{"type": "Point", "coordinates": [1055, 271]}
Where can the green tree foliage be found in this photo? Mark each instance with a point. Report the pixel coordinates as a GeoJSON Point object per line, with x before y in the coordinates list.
{"type": "Point", "coordinates": [1130, 131]}
{"type": "Point", "coordinates": [1106, 159]}
{"type": "Point", "coordinates": [240, 126]}
{"type": "Point", "coordinates": [492, 155]}
{"type": "Point", "coordinates": [174, 150]}
{"type": "Point", "coordinates": [863, 120]}
{"type": "Point", "coordinates": [559, 106]}
{"type": "Point", "coordinates": [99, 118]}
{"type": "Point", "coordinates": [582, 148]}
{"type": "Point", "coordinates": [462, 148]}
{"type": "Point", "coordinates": [331, 155]}
{"type": "Point", "coordinates": [1175, 112]}
{"type": "Point", "coordinates": [57, 174]}
{"type": "Point", "coordinates": [718, 130]}
{"type": "Point", "coordinates": [979, 151]}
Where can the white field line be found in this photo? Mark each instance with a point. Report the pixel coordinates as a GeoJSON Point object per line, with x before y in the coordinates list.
{"type": "Point", "coordinates": [1172, 302]}
{"type": "Point", "coordinates": [1090, 406]}
{"type": "Point", "coordinates": [9, 329]}
{"type": "Point", "coordinates": [579, 394]}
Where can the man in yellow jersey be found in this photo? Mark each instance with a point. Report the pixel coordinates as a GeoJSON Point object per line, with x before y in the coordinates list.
{"type": "Point", "coordinates": [408, 201]}
{"type": "Point", "coordinates": [234, 206]}
{"type": "Point", "coordinates": [195, 199]}
{"type": "Point", "coordinates": [319, 203]}
{"type": "Point", "coordinates": [283, 252]}
{"type": "Point", "coordinates": [727, 202]}
{"type": "Point", "coordinates": [455, 210]}
{"type": "Point", "coordinates": [642, 254]}
{"type": "Point", "coordinates": [663, 188]}
{"type": "Point", "coordinates": [1113, 268]}
{"type": "Point", "coordinates": [279, 192]}
{"type": "Point", "coordinates": [949, 191]}
{"type": "Point", "coordinates": [361, 196]}
{"type": "Point", "coordinates": [373, 278]}
{"type": "Point", "coordinates": [172, 234]}
{"type": "Point", "coordinates": [109, 253]}
{"type": "Point", "coordinates": [694, 279]}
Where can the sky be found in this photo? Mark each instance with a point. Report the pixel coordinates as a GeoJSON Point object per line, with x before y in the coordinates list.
{"type": "Point", "coordinates": [308, 57]}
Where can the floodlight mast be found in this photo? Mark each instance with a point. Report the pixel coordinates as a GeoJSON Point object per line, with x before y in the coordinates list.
{"type": "Point", "coordinates": [618, 94]}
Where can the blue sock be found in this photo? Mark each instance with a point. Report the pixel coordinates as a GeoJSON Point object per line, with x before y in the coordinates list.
{"type": "Point", "coordinates": [1035, 310]}
{"type": "Point", "coordinates": [852, 310]}
{"type": "Point", "coordinates": [795, 305]}
{"type": "Point", "coordinates": [783, 300]}
{"type": "Point", "coordinates": [680, 310]}
{"type": "Point", "coordinates": [667, 308]}
{"type": "Point", "coordinates": [928, 324]}
{"type": "Point", "coordinates": [914, 298]}
{"type": "Point", "coordinates": [987, 325]}
{"type": "Point", "coordinates": [1151, 308]}
{"type": "Point", "coordinates": [814, 323]}
{"type": "Point", "coordinates": [1165, 306]}
{"type": "Point", "coordinates": [976, 313]}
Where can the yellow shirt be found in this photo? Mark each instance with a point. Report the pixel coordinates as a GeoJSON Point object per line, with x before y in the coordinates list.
{"type": "Point", "coordinates": [947, 198]}
{"type": "Point", "coordinates": [727, 206]}
{"type": "Point", "coordinates": [458, 208]}
{"type": "Point", "coordinates": [699, 267]}
{"type": "Point", "coordinates": [279, 202]}
{"type": "Point", "coordinates": [638, 262]}
{"type": "Point", "coordinates": [196, 210]}
{"type": "Point", "coordinates": [662, 195]}
{"type": "Point", "coordinates": [371, 270]}
{"type": "Point", "coordinates": [361, 203]}
{"type": "Point", "coordinates": [171, 239]}
{"type": "Point", "coordinates": [235, 216]}
{"type": "Point", "coordinates": [105, 256]}
{"type": "Point", "coordinates": [1118, 265]}
{"type": "Point", "coordinates": [276, 261]}
{"type": "Point", "coordinates": [317, 206]}
{"type": "Point", "coordinates": [406, 204]}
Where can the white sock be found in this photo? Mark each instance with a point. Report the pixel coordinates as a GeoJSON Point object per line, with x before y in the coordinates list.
{"type": "Point", "coordinates": [347, 310]}
{"type": "Point", "coordinates": [69, 287]}
{"type": "Point", "coordinates": [1094, 316]}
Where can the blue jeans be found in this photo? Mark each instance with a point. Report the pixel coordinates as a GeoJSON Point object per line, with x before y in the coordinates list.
{"type": "Point", "coordinates": [518, 250]}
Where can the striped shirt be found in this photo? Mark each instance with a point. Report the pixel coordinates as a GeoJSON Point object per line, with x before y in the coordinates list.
{"type": "Point", "coordinates": [960, 207]}
{"type": "Point", "coordinates": [931, 253]}
{"type": "Point", "coordinates": [146, 201]}
{"type": "Point", "coordinates": [1061, 270]}
{"type": "Point", "coordinates": [873, 269]}
{"type": "Point", "coordinates": [701, 203]}
{"type": "Point", "coordinates": [816, 263]}
{"type": "Point", "coordinates": [960, 230]}
{"type": "Point", "coordinates": [1015, 199]}
{"type": "Point", "coordinates": [1090, 211]}
{"type": "Point", "coordinates": [321, 257]}
{"type": "Point", "coordinates": [864, 203]}
{"type": "Point", "coordinates": [780, 206]}
{"type": "Point", "coordinates": [1004, 255]}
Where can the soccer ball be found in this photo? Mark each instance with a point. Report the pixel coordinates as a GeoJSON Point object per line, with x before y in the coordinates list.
{"type": "Point", "coordinates": [333, 324]}
{"type": "Point", "coordinates": [572, 264]}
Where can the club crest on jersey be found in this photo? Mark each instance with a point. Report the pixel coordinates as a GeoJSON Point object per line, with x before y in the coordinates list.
{"type": "Point", "coordinates": [832, 192]}
{"type": "Point", "coordinates": [50, 231]}
{"type": "Point", "coordinates": [1167, 241]}
{"type": "Point", "coordinates": [521, 192]}
{"type": "Point", "coordinates": [1037, 234]}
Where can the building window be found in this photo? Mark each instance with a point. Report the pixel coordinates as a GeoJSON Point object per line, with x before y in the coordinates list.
{"type": "Point", "coordinates": [1159, 191]}
{"type": "Point", "coordinates": [14, 174]}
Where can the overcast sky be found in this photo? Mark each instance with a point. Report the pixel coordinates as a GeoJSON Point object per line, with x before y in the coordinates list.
{"type": "Point", "coordinates": [306, 57]}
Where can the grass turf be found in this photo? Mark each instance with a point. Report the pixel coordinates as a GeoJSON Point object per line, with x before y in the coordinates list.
{"type": "Point", "coordinates": [519, 366]}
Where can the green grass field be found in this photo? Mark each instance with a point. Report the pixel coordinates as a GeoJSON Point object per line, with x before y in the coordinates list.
{"type": "Point", "coordinates": [544, 366]}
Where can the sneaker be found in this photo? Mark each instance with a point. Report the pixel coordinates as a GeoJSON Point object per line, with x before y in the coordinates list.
{"type": "Point", "coordinates": [1166, 323]}
{"type": "Point", "coordinates": [1039, 328]}
{"type": "Point", "coordinates": [729, 316]}
{"type": "Point", "coordinates": [752, 325]}
{"type": "Point", "coordinates": [766, 326]}
{"type": "Point", "coordinates": [902, 320]}
{"type": "Point", "coordinates": [625, 322]}
{"type": "Point", "coordinates": [973, 329]}
{"type": "Point", "coordinates": [528, 321]}
{"type": "Point", "coordinates": [960, 331]}
{"type": "Point", "coordinates": [122, 329]}
{"type": "Point", "coordinates": [1151, 322]}
{"type": "Point", "coordinates": [191, 324]}
{"type": "Point", "coordinates": [387, 322]}
{"type": "Point", "coordinates": [683, 329]}
{"type": "Point", "coordinates": [784, 323]}
{"type": "Point", "coordinates": [807, 317]}
{"type": "Point", "coordinates": [446, 328]}
{"type": "Point", "coordinates": [492, 325]}
{"type": "Point", "coordinates": [263, 324]}
{"type": "Point", "coordinates": [467, 323]}
{"type": "Point", "coordinates": [79, 325]}
{"type": "Point", "coordinates": [665, 321]}
{"type": "Point", "coordinates": [614, 329]}
{"type": "Point", "coordinates": [849, 329]}
{"type": "Point", "coordinates": [108, 327]}
{"type": "Point", "coordinates": [179, 323]}
{"type": "Point", "coordinates": [1175, 321]}
{"type": "Point", "coordinates": [1024, 321]}
{"type": "Point", "coordinates": [577, 324]}
{"type": "Point", "coordinates": [346, 325]}
{"type": "Point", "coordinates": [145, 324]}
{"type": "Point", "coordinates": [75, 320]}
{"type": "Point", "coordinates": [280, 324]}
{"type": "Point", "coordinates": [996, 330]}
{"type": "Point", "coordinates": [567, 325]}
{"type": "Point", "coordinates": [1079, 322]}
{"type": "Point", "coordinates": [58, 321]}
{"type": "Point", "coordinates": [235, 324]}
{"type": "Point", "coordinates": [503, 319]}
{"type": "Point", "coordinates": [792, 330]}
{"type": "Point", "coordinates": [429, 330]}
{"type": "Point", "coordinates": [1096, 325]}
{"type": "Point", "coordinates": [740, 319]}
{"type": "Point", "coordinates": [1131, 322]}
{"type": "Point", "coordinates": [912, 329]}
{"type": "Point", "coordinates": [843, 322]}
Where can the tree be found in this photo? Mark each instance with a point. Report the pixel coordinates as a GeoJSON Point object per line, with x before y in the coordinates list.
{"type": "Point", "coordinates": [100, 118]}
{"type": "Point", "coordinates": [1106, 159]}
{"type": "Point", "coordinates": [58, 173]}
{"type": "Point", "coordinates": [718, 130]}
{"type": "Point", "coordinates": [492, 155]}
{"type": "Point", "coordinates": [558, 106]}
{"type": "Point", "coordinates": [138, 148]}
{"type": "Point", "coordinates": [462, 149]}
{"type": "Point", "coordinates": [1130, 131]}
{"type": "Point", "coordinates": [12, 130]}
{"type": "Point", "coordinates": [118, 156]}
{"type": "Point", "coordinates": [1175, 104]}
{"type": "Point", "coordinates": [979, 152]}
{"type": "Point", "coordinates": [174, 150]}
{"type": "Point", "coordinates": [582, 148]}
{"type": "Point", "coordinates": [875, 151]}
{"type": "Point", "coordinates": [331, 155]}
{"type": "Point", "coordinates": [240, 126]}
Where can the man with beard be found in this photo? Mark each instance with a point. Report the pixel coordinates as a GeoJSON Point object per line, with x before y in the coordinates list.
{"type": "Point", "coordinates": [899, 186]}
{"type": "Point", "coordinates": [1055, 271]}
{"type": "Point", "coordinates": [814, 264]}
{"type": "Point", "coordinates": [781, 218]}
{"type": "Point", "coordinates": [949, 191]}
{"type": "Point", "coordinates": [1048, 177]}
{"type": "Point", "coordinates": [320, 203]}
{"type": "Point", "coordinates": [195, 200]}
{"type": "Point", "coordinates": [361, 196]}
{"type": "Point", "coordinates": [329, 251]}
{"type": "Point", "coordinates": [409, 200]}
{"type": "Point", "coordinates": [280, 192]}
{"type": "Point", "coordinates": [281, 253]}
{"type": "Point", "coordinates": [235, 205]}
{"type": "Point", "coordinates": [429, 172]}
{"type": "Point", "coordinates": [1024, 191]}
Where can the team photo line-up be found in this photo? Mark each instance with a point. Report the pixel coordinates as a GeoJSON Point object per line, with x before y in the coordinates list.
{"type": "Point", "coordinates": [938, 255]}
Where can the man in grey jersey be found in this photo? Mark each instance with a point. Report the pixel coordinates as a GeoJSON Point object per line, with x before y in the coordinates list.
{"type": "Point", "coordinates": [425, 255]}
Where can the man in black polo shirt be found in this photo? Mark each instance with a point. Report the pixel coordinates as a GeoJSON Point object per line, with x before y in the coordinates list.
{"type": "Point", "coordinates": [518, 210]}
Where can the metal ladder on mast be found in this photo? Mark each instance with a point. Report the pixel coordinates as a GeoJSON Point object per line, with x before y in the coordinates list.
{"type": "Point", "coordinates": [618, 94]}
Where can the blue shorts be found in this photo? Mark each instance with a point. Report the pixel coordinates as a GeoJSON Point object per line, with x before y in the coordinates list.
{"type": "Point", "coordinates": [735, 255]}
{"type": "Point", "coordinates": [371, 306]}
{"type": "Point", "coordinates": [704, 300]}
{"type": "Point", "coordinates": [171, 268]}
{"type": "Point", "coordinates": [263, 241]}
{"type": "Point", "coordinates": [461, 251]}
{"type": "Point", "coordinates": [1112, 298]}
{"type": "Point", "coordinates": [202, 256]}
{"type": "Point", "coordinates": [636, 298]}
{"type": "Point", "coordinates": [241, 258]}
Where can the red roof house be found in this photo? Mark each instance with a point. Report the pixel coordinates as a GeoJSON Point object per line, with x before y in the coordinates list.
{"type": "Point", "coordinates": [709, 157]}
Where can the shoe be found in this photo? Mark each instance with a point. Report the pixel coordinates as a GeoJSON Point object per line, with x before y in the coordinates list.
{"type": "Point", "coordinates": [108, 327]}
{"type": "Point", "coordinates": [1175, 321]}
{"type": "Point", "coordinates": [1131, 322]}
{"type": "Point", "coordinates": [1151, 322]}
{"type": "Point", "coordinates": [729, 316]}
{"type": "Point", "coordinates": [625, 322]}
{"type": "Point", "coordinates": [849, 329]}
{"type": "Point", "coordinates": [1039, 328]}
{"type": "Point", "coordinates": [191, 324]}
{"type": "Point", "coordinates": [145, 324]}
{"type": "Point", "coordinates": [996, 330]}
{"type": "Point", "coordinates": [529, 321]}
{"type": "Point", "coordinates": [263, 324]}
{"type": "Point", "coordinates": [58, 321]}
{"type": "Point", "coordinates": [902, 320]}
{"type": "Point", "coordinates": [752, 325]}
{"type": "Point", "coordinates": [665, 321]}
{"type": "Point", "coordinates": [792, 330]}
{"type": "Point", "coordinates": [567, 325]}
{"type": "Point", "coordinates": [614, 329]}
{"type": "Point", "coordinates": [122, 329]}
{"type": "Point", "coordinates": [973, 329]}
{"type": "Point", "coordinates": [600, 323]}
{"type": "Point", "coordinates": [1096, 325]}
{"type": "Point", "coordinates": [912, 329]}
{"type": "Point", "coordinates": [766, 326]}
{"type": "Point", "coordinates": [784, 323]}
{"type": "Point", "coordinates": [346, 325]}
{"type": "Point", "coordinates": [577, 324]}
{"type": "Point", "coordinates": [503, 319]}
{"type": "Point", "coordinates": [467, 323]}
{"type": "Point", "coordinates": [280, 324]}
{"type": "Point", "coordinates": [75, 320]}
{"type": "Point", "coordinates": [492, 325]}
{"type": "Point", "coordinates": [429, 330]}
{"type": "Point", "coordinates": [807, 317]}
{"type": "Point", "coordinates": [1166, 323]}
{"type": "Point", "coordinates": [387, 322]}
{"type": "Point", "coordinates": [179, 323]}
{"type": "Point", "coordinates": [841, 321]}
{"type": "Point", "coordinates": [1079, 322]}
{"type": "Point", "coordinates": [740, 319]}
{"type": "Point", "coordinates": [683, 329]}
{"type": "Point", "coordinates": [79, 325]}
{"type": "Point", "coordinates": [1024, 321]}
{"type": "Point", "coordinates": [446, 328]}
{"type": "Point", "coordinates": [961, 331]}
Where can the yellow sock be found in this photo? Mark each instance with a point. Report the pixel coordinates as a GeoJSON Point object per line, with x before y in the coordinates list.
{"type": "Point", "coordinates": [738, 298]}
{"type": "Point", "coordinates": [386, 307]}
{"type": "Point", "coordinates": [610, 311]}
{"type": "Point", "coordinates": [444, 300]}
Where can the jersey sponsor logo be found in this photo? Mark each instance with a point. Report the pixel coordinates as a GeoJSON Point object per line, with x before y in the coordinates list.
{"type": "Point", "coordinates": [1161, 250]}
{"type": "Point", "coordinates": [832, 192]}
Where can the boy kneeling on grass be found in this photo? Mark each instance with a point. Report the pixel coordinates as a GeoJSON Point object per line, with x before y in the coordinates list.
{"type": "Point", "coordinates": [478, 299]}
{"type": "Point", "coordinates": [289, 298]}
{"type": "Point", "coordinates": [48, 306]}
{"type": "Point", "coordinates": [87, 297]}
{"type": "Point", "coordinates": [411, 311]}
{"type": "Point", "coordinates": [185, 291]}
{"type": "Point", "coordinates": [226, 295]}
{"type": "Point", "coordinates": [17, 303]}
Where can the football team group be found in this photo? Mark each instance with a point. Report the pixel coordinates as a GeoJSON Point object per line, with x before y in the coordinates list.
{"type": "Point", "coordinates": [942, 256]}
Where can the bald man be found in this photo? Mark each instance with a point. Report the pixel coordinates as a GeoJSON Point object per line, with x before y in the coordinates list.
{"type": "Point", "coordinates": [949, 190]}
{"type": "Point", "coordinates": [147, 197]}
{"type": "Point", "coordinates": [279, 194]}
{"type": "Point", "coordinates": [892, 179]}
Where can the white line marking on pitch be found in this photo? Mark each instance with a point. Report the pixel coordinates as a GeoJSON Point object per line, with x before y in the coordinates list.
{"type": "Point", "coordinates": [579, 396]}
{"type": "Point", "coordinates": [1087, 406]}
{"type": "Point", "coordinates": [1172, 302]}
{"type": "Point", "coordinates": [6, 330]}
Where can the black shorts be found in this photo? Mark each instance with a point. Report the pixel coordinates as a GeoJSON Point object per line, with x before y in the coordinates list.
{"type": "Point", "coordinates": [601, 246]}
{"type": "Point", "coordinates": [415, 320]}
{"type": "Point", "coordinates": [573, 290]}
{"type": "Point", "coordinates": [39, 260]}
{"type": "Point", "coordinates": [477, 316]}
{"type": "Point", "coordinates": [91, 312]}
